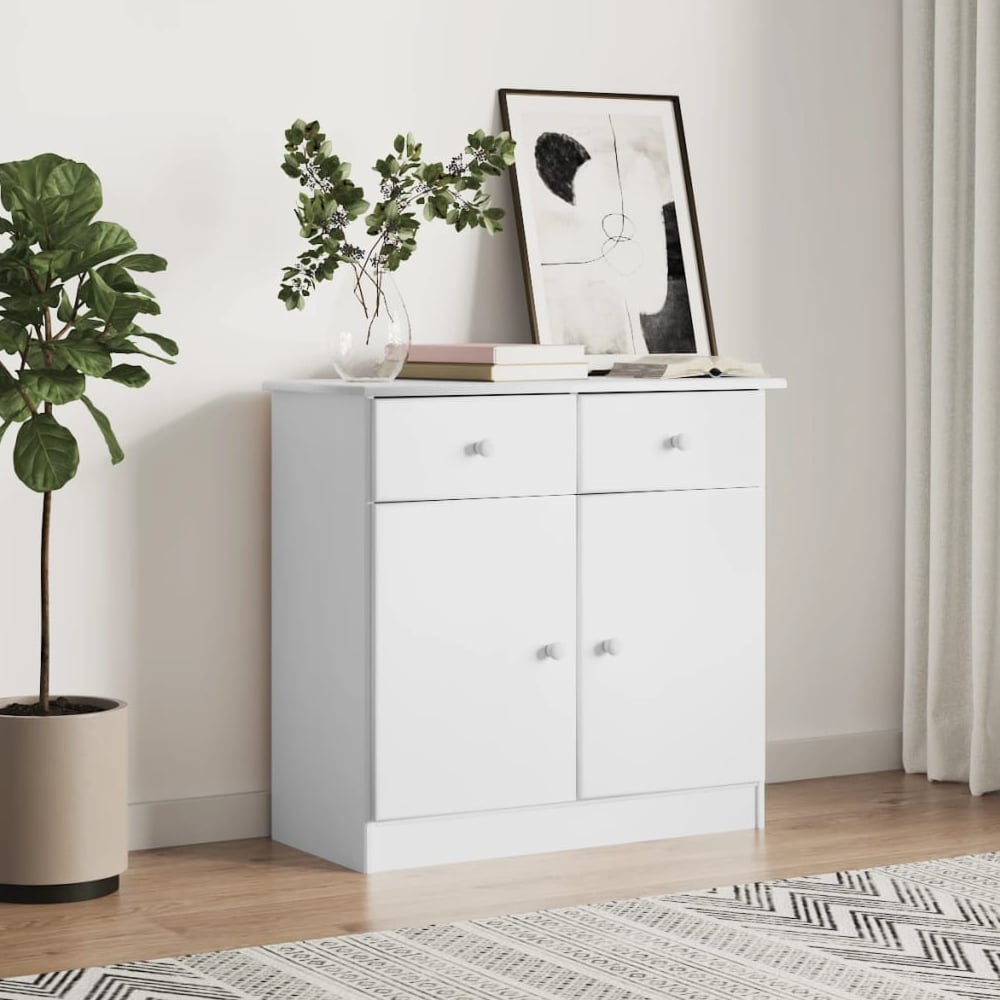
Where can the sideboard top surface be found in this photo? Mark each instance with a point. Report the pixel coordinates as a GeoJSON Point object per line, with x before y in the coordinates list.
{"type": "Point", "coordinates": [425, 387]}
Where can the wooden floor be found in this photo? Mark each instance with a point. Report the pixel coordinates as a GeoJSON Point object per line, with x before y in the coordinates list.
{"type": "Point", "coordinates": [180, 900]}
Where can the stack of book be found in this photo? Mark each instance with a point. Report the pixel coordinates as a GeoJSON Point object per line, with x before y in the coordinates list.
{"type": "Point", "coordinates": [495, 362]}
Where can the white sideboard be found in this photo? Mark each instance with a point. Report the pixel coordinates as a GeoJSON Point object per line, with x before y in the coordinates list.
{"type": "Point", "coordinates": [515, 618]}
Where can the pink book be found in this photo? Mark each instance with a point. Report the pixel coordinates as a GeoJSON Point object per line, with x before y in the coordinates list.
{"type": "Point", "coordinates": [497, 354]}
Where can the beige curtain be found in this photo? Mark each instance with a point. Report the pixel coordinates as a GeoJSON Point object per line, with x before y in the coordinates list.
{"type": "Point", "coordinates": [951, 189]}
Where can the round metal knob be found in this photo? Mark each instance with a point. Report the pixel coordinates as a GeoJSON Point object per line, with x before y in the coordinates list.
{"type": "Point", "coordinates": [554, 651]}
{"type": "Point", "coordinates": [612, 647]}
{"type": "Point", "coordinates": [484, 448]}
{"type": "Point", "coordinates": [682, 442]}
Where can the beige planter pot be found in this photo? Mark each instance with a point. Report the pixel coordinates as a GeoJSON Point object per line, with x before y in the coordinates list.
{"type": "Point", "coordinates": [63, 827]}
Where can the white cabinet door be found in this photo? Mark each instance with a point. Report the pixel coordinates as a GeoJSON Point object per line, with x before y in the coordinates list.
{"type": "Point", "coordinates": [672, 640]}
{"type": "Point", "coordinates": [474, 655]}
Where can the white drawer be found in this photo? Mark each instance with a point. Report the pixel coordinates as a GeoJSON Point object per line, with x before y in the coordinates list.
{"type": "Point", "coordinates": [671, 441]}
{"type": "Point", "coordinates": [454, 448]}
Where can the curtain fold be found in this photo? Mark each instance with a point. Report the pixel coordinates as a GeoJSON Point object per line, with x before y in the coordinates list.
{"type": "Point", "coordinates": [951, 192]}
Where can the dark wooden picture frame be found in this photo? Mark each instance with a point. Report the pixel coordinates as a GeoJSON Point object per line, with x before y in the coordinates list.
{"type": "Point", "coordinates": [607, 224]}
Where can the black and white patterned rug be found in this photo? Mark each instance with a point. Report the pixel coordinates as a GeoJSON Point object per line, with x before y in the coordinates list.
{"type": "Point", "coordinates": [906, 932]}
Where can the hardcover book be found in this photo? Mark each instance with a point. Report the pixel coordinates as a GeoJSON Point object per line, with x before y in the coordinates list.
{"type": "Point", "coordinates": [497, 354]}
{"type": "Point", "coordinates": [493, 373]}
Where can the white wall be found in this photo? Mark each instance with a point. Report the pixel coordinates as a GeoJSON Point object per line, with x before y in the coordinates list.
{"type": "Point", "coordinates": [160, 565]}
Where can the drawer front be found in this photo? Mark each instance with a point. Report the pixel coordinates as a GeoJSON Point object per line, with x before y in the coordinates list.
{"type": "Point", "coordinates": [671, 440]}
{"type": "Point", "coordinates": [454, 448]}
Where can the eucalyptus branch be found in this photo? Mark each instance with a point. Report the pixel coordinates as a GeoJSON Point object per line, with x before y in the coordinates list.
{"type": "Point", "coordinates": [331, 201]}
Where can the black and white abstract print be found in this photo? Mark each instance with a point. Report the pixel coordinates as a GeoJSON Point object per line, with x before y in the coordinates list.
{"type": "Point", "coordinates": [610, 253]}
{"type": "Point", "coordinates": [606, 226]}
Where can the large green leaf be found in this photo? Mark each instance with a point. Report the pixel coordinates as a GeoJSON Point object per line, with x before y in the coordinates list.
{"type": "Point", "coordinates": [144, 262]}
{"type": "Point", "coordinates": [84, 354]}
{"type": "Point", "coordinates": [49, 197]}
{"type": "Point", "coordinates": [114, 448]}
{"type": "Point", "coordinates": [134, 376]}
{"type": "Point", "coordinates": [55, 385]}
{"type": "Point", "coordinates": [99, 242]}
{"type": "Point", "coordinates": [46, 455]}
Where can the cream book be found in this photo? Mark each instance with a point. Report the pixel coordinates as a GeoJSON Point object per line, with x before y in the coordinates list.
{"type": "Point", "coordinates": [685, 366]}
{"type": "Point", "coordinates": [497, 354]}
{"type": "Point", "coordinates": [492, 373]}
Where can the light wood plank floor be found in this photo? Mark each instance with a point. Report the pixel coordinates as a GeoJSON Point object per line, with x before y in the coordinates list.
{"type": "Point", "coordinates": [180, 900]}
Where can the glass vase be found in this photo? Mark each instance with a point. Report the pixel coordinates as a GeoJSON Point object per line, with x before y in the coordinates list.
{"type": "Point", "coordinates": [371, 329]}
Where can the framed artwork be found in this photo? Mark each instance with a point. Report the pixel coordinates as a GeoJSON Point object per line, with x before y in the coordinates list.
{"type": "Point", "coordinates": [607, 225]}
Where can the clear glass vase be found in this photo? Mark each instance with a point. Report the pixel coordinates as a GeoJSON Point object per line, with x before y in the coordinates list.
{"type": "Point", "coordinates": [371, 329]}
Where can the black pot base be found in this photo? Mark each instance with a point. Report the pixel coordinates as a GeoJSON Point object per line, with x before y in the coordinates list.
{"type": "Point", "coordinates": [71, 892]}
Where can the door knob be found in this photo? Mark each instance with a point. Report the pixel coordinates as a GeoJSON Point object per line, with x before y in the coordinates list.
{"type": "Point", "coordinates": [611, 647]}
{"type": "Point", "coordinates": [682, 442]}
{"type": "Point", "coordinates": [483, 448]}
{"type": "Point", "coordinates": [553, 651]}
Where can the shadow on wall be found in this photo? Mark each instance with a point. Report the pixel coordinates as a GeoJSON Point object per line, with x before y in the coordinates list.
{"type": "Point", "coordinates": [201, 593]}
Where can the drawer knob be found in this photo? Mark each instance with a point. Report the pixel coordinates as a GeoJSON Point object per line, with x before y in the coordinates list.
{"type": "Point", "coordinates": [611, 647]}
{"type": "Point", "coordinates": [484, 448]}
{"type": "Point", "coordinates": [554, 651]}
{"type": "Point", "coordinates": [682, 442]}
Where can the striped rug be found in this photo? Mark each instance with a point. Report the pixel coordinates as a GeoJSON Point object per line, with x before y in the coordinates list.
{"type": "Point", "coordinates": [906, 932]}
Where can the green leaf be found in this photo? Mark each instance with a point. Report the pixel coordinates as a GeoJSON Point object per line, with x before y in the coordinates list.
{"type": "Point", "coordinates": [49, 197]}
{"type": "Point", "coordinates": [13, 337]}
{"type": "Point", "coordinates": [84, 354]}
{"type": "Point", "coordinates": [128, 307]}
{"type": "Point", "coordinates": [12, 404]}
{"type": "Point", "coordinates": [122, 345]}
{"type": "Point", "coordinates": [99, 242]}
{"type": "Point", "coordinates": [65, 310]}
{"type": "Point", "coordinates": [101, 295]}
{"type": "Point", "coordinates": [51, 262]}
{"type": "Point", "coordinates": [165, 344]}
{"type": "Point", "coordinates": [143, 262]}
{"type": "Point", "coordinates": [46, 454]}
{"type": "Point", "coordinates": [134, 376]}
{"type": "Point", "coordinates": [117, 278]}
{"type": "Point", "coordinates": [114, 448]}
{"type": "Point", "coordinates": [54, 385]}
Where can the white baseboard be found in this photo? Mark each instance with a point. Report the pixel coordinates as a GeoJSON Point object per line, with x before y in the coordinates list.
{"type": "Point", "coordinates": [562, 826]}
{"type": "Point", "coordinates": [828, 756]}
{"type": "Point", "coordinates": [198, 821]}
{"type": "Point", "coordinates": [212, 818]}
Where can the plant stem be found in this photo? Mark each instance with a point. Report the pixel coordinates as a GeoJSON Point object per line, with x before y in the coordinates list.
{"type": "Point", "coordinates": [43, 677]}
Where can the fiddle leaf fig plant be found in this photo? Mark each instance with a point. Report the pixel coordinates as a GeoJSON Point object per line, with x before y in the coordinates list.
{"type": "Point", "coordinates": [68, 308]}
{"type": "Point", "coordinates": [331, 201]}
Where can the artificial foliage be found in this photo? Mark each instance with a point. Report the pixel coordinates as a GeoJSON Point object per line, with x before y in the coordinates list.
{"type": "Point", "coordinates": [68, 310]}
{"type": "Point", "coordinates": [331, 201]}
